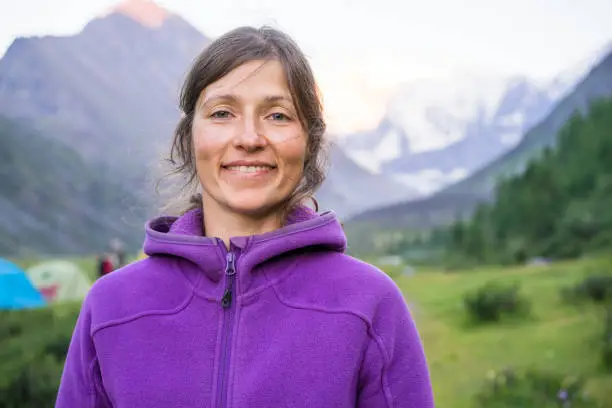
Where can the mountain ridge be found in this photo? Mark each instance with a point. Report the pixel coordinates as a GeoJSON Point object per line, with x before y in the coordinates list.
{"type": "Point", "coordinates": [472, 118]}
{"type": "Point", "coordinates": [110, 94]}
{"type": "Point", "coordinates": [460, 199]}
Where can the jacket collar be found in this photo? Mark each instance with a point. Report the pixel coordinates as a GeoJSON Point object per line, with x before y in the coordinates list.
{"type": "Point", "coordinates": [183, 237]}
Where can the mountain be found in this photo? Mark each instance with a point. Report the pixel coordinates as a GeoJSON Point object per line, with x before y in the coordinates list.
{"type": "Point", "coordinates": [110, 92]}
{"type": "Point", "coordinates": [460, 198]}
{"type": "Point", "coordinates": [439, 131]}
{"type": "Point", "coordinates": [351, 188]}
{"type": "Point", "coordinates": [52, 201]}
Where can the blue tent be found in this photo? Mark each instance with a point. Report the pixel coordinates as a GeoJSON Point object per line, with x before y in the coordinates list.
{"type": "Point", "coordinates": [16, 290]}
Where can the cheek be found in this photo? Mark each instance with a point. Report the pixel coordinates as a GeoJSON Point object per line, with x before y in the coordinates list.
{"type": "Point", "coordinates": [294, 153]}
{"type": "Point", "coordinates": [205, 148]}
{"type": "Point", "coordinates": [202, 149]}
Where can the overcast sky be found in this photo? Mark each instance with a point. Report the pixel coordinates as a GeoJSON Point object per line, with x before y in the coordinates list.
{"type": "Point", "coordinates": [361, 48]}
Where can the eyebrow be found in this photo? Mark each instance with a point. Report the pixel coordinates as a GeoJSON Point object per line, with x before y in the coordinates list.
{"type": "Point", "coordinates": [234, 99]}
{"type": "Point", "coordinates": [278, 98]}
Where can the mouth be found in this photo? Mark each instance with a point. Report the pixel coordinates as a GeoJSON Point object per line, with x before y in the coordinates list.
{"type": "Point", "coordinates": [249, 169]}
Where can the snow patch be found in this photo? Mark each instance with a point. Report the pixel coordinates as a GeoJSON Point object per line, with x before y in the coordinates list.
{"type": "Point", "coordinates": [510, 138]}
{"type": "Point", "coordinates": [365, 159]}
{"type": "Point", "coordinates": [372, 156]}
{"type": "Point", "coordinates": [516, 119]}
{"type": "Point", "coordinates": [389, 147]}
{"type": "Point", "coordinates": [429, 181]}
{"type": "Point", "coordinates": [437, 112]}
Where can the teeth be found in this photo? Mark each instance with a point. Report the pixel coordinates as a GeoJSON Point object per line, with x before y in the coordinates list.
{"type": "Point", "coordinates": [248, 169]}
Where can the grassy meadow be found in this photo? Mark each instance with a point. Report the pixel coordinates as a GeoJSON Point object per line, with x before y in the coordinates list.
{"type": "Point", "coordinates": [555, 336]}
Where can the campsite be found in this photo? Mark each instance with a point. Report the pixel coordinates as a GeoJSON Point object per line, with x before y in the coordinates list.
{"type": "Point", "coordinates": [42, 284]}
{"type": "Point", "coordinates": [468, 161]}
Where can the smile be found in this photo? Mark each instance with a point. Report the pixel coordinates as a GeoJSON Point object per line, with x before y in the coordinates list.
{"type": "Point", "coordinates": [249, 169]}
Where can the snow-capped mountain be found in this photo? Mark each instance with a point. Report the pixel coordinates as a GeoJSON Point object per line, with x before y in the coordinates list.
{"type": "Point", "coordinates": [438, 131]}
{"type": "Point", "coordinates": [372, 148]}
{"type": "Point", "coordinates": [437, 112]}
{"type": "Point", "coordinates": [566, 80]}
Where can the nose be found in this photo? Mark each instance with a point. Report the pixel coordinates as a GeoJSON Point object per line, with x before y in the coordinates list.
{"type": "Point", "coordinates": [250, 135]}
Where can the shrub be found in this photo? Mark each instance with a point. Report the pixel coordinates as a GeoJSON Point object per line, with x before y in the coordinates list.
{"type": "Point", "coordinates": [492, 301]}
{"type": "Point", "coordinates": [596, 288]}
{"type": "Point", "coordinates": [10, 329]}
{"type": "Point", "coordinates": [32, 353]}
{"type": "Point", "coordinates": [57, 346]}
{"type": "Point", "coordinates": [511, 388]}
{"type": "Point", "coordinates": [33, 385]}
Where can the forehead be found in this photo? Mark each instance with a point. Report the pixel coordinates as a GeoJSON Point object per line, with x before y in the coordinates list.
{"type": "Point", "coordinates": [253, 78]}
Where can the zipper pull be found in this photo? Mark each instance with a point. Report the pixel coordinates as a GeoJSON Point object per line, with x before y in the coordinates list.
{"type": "Point", "coordinates": [230, 268]}
{"type": "Point", "coordinates": [230, 271]}
{"type": "Point", "coordinates": [226, 301]}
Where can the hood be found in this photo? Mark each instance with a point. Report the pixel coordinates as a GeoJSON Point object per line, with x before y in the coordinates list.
{"type": "Point", "coordinates": [183, 237]}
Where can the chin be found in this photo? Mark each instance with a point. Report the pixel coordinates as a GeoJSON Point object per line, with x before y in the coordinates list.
{"type": "Point", "coordinates": [253, 207]}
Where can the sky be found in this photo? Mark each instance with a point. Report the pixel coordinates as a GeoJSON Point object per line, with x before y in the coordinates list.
{"type": "Point", "coordinates": [361, 49]}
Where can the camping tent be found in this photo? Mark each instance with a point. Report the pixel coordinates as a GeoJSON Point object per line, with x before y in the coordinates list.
{"type": "Point", "coordinates": [59, 280]}
{"type": "Point", "coordinates": [16, 290]}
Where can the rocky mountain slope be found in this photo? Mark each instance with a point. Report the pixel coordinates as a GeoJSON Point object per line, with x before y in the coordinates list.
{"type": "Point", "coordinates": [52, 201]}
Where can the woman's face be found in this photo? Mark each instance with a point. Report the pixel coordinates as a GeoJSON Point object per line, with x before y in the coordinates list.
{"type": "Point", "coordinates": [249, 144]}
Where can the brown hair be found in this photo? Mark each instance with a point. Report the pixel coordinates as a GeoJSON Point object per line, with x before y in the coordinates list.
{"type": "Point", "coordinates": [236, 47]}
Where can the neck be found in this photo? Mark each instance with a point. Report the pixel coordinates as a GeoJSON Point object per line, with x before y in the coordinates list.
{"type": "Point", "coordinates": [224, 224]}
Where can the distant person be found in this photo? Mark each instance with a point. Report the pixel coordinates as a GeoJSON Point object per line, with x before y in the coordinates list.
{"type": "Point", "coordinates": [105, 264]}
{"type": "Point", "coordinates": [247, 298]}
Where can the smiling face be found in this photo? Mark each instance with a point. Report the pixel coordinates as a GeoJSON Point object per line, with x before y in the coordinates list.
{"type": "Point", "coordinates": [249, 144]}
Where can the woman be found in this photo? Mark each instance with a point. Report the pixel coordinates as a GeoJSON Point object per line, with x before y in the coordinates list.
{"type": "Point", "coordinates": [247, 299]}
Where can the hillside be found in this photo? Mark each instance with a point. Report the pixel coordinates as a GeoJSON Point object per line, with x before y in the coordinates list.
{"type": "Point", "coordinates": [560, 206]}
{"type": "Point", "coordinates": [439, 130]}
{"type": "Point", "coordinates": [461, 198]}
{"type": "Point", "coordinates": [110, 92]}
{"type": "Point", "coordinates": [51, 201]}
{"type": "Point", "coordinates": [349, 188]}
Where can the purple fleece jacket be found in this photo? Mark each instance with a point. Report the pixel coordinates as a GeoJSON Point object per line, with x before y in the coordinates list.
{"type": "Point", "coordinates": [282, 319]}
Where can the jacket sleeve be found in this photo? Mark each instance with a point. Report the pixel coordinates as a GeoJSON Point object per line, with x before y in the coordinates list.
{"type": "Point", "coordinates": [394, 371]}
{"type": "Point", "coordinates": [80, 384]}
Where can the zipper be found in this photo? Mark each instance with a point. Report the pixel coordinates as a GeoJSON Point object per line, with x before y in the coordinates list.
{"type": "Point", "coordinates": [228, 317]}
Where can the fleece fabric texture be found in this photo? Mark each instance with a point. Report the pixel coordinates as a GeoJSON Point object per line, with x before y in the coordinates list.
{"type": "Point", "coordinates": [282, 319]}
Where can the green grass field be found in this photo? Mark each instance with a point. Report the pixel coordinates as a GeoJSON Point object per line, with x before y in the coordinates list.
{"type": "Point", "coordinates": [556, 336]}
